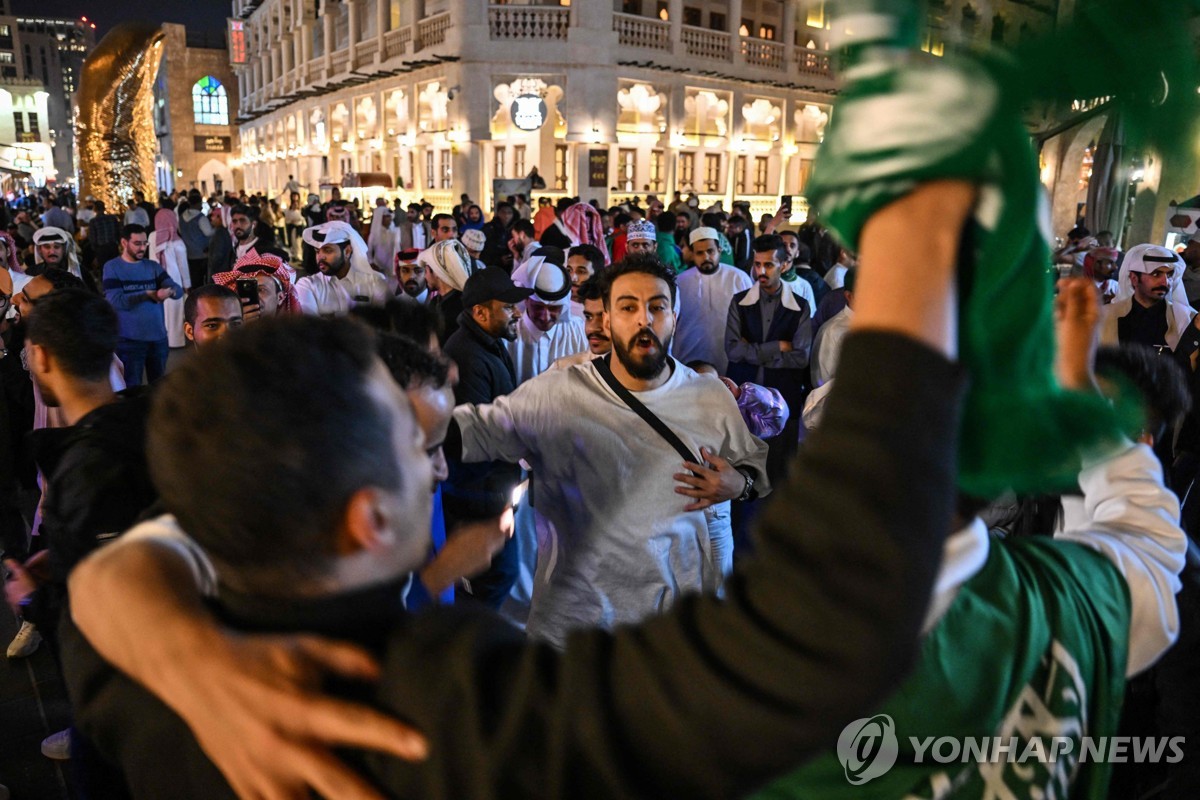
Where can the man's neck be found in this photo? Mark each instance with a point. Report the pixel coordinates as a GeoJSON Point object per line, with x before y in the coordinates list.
{"type": "Point", "coordinates": [83, 398]}
{"type": "Point", "coordinates": [766, 287]}
{"type": "Point", "coordinates": [1144, 303]}
{"type": "Point", "coordinates": [129, 259]}
{"type": "Point", "coordinates": [639, 384]}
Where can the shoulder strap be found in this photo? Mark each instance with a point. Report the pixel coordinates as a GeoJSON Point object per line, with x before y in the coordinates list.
{"type": "Point", "coordinates": [635, 405]}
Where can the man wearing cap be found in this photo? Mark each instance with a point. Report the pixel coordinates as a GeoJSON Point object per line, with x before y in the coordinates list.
{"type": "Point", "coordinates": [344, 277]}
{"type": "Point", "coordinates": [641, 238]}
{"type": "Point", "coordinates": [475, 240]}
{"type": "Point", "coordinates": [705, 292]}
{"type": "Point", "coordinates": [55, 248]}
{"type": "Point", "coordinates": [547, 331]}
{"type": "Point", "coordinates": [490, 319]}
{"type": "Point", "coordinates": [410, 277]}
{"type": "Point", "coordinates": [1150, 307]}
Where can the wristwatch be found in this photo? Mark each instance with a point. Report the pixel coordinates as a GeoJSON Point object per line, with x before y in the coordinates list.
{"type": "Point", "coordinates": [748, 491]}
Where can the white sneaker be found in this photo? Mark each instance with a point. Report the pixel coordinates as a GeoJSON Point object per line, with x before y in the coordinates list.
{"type": "Point", "coordinates": [26, 642]}
{"type": "Point", "coordinates": [58, 746]}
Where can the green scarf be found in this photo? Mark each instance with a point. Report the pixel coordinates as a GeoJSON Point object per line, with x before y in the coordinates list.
{"type": "Point", "coordinates": [904, 118]}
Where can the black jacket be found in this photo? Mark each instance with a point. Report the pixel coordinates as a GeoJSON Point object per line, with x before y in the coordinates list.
{"type": "Point", "coordinates": [710, 700]}
{"type": "Point", "coordinates": [485, 372]}
{"type": "Point", "coordinates": [97, 486]}
{"type": "Point", "coordinates": [449, 307]}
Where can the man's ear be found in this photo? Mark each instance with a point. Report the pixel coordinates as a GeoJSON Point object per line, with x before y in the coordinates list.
{"type": "Point", "coordinates": [39, 359]}
{"type": "Point", "coordinates": [189, 332]}
{"type": "Point", "coordinates": [364, 523]}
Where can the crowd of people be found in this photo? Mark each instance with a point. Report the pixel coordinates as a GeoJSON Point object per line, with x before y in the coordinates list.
{"type": "Point", "coordinates": [580, 419]}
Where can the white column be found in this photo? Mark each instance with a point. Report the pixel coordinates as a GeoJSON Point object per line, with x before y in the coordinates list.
{"type": "Point", "coordinates": [735, 23]}
{"type": "Point", "coordinates": [327, 22]}
{"type": "Point", "coordinates": [789, 34]}
{"type": "Point", "coordinates": [354, 7]}
{"type": "Point", "coordinates": [381, 25]}
{"type": "Point", "coordinates": [418, 14]}
{"type": "Point", "coordinates": [675, 17]}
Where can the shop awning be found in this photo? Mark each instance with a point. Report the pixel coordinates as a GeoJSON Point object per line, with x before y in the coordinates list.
{"type": "Point", "coordinates": [359, 180]}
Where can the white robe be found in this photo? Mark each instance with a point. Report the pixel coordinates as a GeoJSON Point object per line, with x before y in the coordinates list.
{"type": "Point", "coordinates": [534, 351]}
{"type": "Point", "coordinates": [620, 546]}
{"type": "Point", "coordinates": [327, 296]}
{"type": "Point", "coordinates": [828, 346]}
{"type": "Point", "coordinates": [704, 313]}
{"type": "Point", "coordinates": [173, 258]}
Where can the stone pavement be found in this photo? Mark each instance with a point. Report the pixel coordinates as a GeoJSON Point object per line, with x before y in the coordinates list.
{"type": "Point", "coordinates": [33, 704]}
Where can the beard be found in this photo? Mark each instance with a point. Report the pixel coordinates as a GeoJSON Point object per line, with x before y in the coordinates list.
{"type": "Point", "coordinates": [644, 368]}
{"type": "Point", "coordinates": [333, 267]}
{"type": "Point", "coordinates": [412, 288]}
{"type": "Point", "coordinates": [707, 267]}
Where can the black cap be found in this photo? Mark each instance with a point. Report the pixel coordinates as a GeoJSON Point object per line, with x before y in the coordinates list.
{"type": "Point", "coordinates": [492, 283]}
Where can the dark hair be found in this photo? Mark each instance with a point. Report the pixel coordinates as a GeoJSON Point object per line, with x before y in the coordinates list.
{"type": "Point", "coordinates": [1078, 232]}
{"type": "Point", "coordinates": [803, 252]}
{"type": "Point", "coordinates": [79, 329]}
{"type": "Point", "coordinates": [506, 204]}
{"type": "Point", "coordinates": [639, 263]}
{"type": "Point", "coordinates": [563, 204]}
{"type": "Point", "coordinates": [712, 219]}
{"type": "Point", "coordinates": [591, 289]}
{"type": "Point", "coordinates": [554, 237]}
{"type": "Point", "coordinates": [130, 230]}
{"type": "Point", "coordinates": [213, 290]}
{"type": "Point", "coordinates": [406, 318]}
{"type": "Point", "coordinates": [241, 209]}
{"type": "Point", "coordinates": [772, 243]}
{"type": "Point", "coordinates": [621, 218]}
{"type": "Point", "coordinates": [592, 253]}
{"type": "Point", "coordinates": [665, 222]}
{"type": "Point", "coordinates": [850, 279]}
{"type": "Point", "coordinates": [412, 364]}
{"type": "Point", "coordinates": [265, 499]}
{"type": "Point", "coordinates": [523, 226]}
{"type": "Point", "coordinates": [439, 217]}
{"type": "Point", "coordinates": [98, 206]}
{"type": "Point", "coordinates": [1162, 383]}
{"type": "Point", "coordinates": [736, 219]}
{"type": "Point", "coordinates": [166, 202]}
{"type": "Point", "coordinates": [59, 278]}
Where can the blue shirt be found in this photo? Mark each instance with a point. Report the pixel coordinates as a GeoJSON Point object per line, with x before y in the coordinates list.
{"type": "Point", "coordinates": [125, 286]}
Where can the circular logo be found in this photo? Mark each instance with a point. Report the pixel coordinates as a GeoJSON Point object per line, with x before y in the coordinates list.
{"type": "Point", "coordinates": [529, 112]}
{"type": "Point", "coordinates": [868, 748]}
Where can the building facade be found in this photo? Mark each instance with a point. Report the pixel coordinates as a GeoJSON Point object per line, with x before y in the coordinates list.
{"type": "Point", "coordinates": [605, 99]}
{"type": "Point", "coordinates": [195, 103]}
{"type": "Point", "coordinates": [52, 51]}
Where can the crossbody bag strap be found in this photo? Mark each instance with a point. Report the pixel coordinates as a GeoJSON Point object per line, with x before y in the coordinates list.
{"type": "Point", "coordinates": [635, 405]}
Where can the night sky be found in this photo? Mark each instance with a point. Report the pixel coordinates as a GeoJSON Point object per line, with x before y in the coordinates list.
{"type": "Point", "coordinates": [206, 15]}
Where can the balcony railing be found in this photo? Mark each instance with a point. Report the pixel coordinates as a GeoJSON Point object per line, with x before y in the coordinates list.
{"type": "Point", "coordinates": [432, 31]}
{"type": "Point", "coordinates": [635, 31]}
{"type": "Point", "coordinates": [394, 42]}
{"type": "Point", "coordinates": [341, 59]}
{"type": "Point", "coordinates": [529, 22]}
{"type": "Point", "coordinates": [763, 53]}
{"type": "Point", "coordinates": [813, 62]}
{"type": "Point", "coordinates": [704, 43]}
{"type": "Point", "coordinates": [367, 50]}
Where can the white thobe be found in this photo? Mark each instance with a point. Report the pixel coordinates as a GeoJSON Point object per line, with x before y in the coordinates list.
{"type": "Point", "coordinates": [328, 296]}
{"type": "Point", "coordinates": [704, 312]}
{"type": "Point", "coordinates": [619, 545]}
{"type": "Point", "coordinates": [828, 346]}
{"type": "Point", "coordinates": [534, 351]}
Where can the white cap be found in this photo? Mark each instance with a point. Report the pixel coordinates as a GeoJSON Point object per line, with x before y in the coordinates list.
{"type": "Point", "coordinates": [703, 233]}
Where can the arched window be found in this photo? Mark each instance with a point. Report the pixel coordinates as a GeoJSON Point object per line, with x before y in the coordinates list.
{"type": "Point", "coordinates": [210, 104]}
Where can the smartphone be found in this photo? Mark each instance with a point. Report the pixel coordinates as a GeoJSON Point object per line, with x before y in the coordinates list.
{"type": "Point", "coordinates": [247, 291]}
{"type": "Point", "coordinates": [786, 202]}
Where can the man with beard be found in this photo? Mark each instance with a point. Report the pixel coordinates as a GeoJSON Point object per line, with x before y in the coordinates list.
{"type": "Point", "coordinates": [410, 277]}
{"type": "Point", "coordinates": [344, 277]}
{"type": "Point", "coordinates": [415, 233]}
{"type": "Point", "coordinates": [241, 225]}
{"type": "Point", "coordinates": [595, 325]}
{"type": "Point", "coordinates": [137, 287]}
{"type": "Point", "coordinates": [641, 238]}
{"type": "Point", "coordinates": [768, 339]}
{"type": "Point", "coordinates": [54, 248]}
{"type": "Point", "coordinates": [1150, 307]}
{"type": "Point", "coordinates": [583, 262]}
{"type": "Point", "coordinates": [547, 331]}
{"type": "Point", "coordinates": [610, 562]}
{"type": "Point", "coordinates": [477, 491]}
{"type": "Point", "coordinates": [704, 295]}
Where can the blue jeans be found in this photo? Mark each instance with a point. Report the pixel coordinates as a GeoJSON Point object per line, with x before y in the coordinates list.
{"type": "Point", "coordinates": [138, 356]}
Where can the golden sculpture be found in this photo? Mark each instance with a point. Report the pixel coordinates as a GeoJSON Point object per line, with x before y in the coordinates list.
{"type": "Point", "coordinates": [115, 112]}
